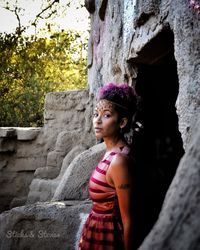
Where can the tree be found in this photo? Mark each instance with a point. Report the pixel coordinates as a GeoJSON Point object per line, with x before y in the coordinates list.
{"type": "Point", "coordinates": [31, 67]}
{"type": "Point", "coordinates": [34, 65]}
{"type": "Point", "coordinates": [38, 13]}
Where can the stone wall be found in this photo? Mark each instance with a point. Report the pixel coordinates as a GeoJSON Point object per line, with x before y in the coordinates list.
{"type": "Point", "coordinates": [19, 158]}
{"type": "Point", "coordinates": [67, 132]}
{"type": "Point", "coordinates": [31, 158]}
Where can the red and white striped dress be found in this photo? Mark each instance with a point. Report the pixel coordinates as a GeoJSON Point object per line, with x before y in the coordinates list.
{"type": "Point", "coordinates": [103, 229]}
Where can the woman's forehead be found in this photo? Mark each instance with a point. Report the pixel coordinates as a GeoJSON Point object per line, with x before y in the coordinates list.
{"type": "Point", "coordinates": [104, 104]}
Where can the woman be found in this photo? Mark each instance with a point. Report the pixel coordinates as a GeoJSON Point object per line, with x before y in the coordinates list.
{"type": "Point", "coordinates": [109, 224]}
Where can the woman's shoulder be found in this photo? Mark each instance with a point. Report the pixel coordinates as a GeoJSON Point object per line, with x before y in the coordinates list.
{"type": "Point", "coordinates": [121, 156]}
{"type": "Point", "coordinates": [119, 168]}
{"type": "Point", "coordinates": [120, 160]}
{"type": "Point", "coordinates": [118, 156]}
{"type": "Point", "coordinates": [121, 150]}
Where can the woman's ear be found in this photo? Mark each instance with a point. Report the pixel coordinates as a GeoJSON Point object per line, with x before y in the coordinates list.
{"type": "Point", "coordinates": [123, 122]}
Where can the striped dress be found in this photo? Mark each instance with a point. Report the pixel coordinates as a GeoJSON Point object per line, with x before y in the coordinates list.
{"type": "Point", "coordinates": [103, 229]}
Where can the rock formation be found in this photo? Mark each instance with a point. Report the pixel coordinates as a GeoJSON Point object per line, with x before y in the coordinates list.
{"type": "Point", "coordinates": [153, 45]}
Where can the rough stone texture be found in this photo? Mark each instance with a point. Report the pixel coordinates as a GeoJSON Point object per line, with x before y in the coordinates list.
{"type": "Point", "coordinates": [69, 143]}
{"type": "Point", "coordinates": [7, 132]}
{"type": "Point", "coordinates": [187, 51]}
{"type": "Point", "coordinates": [68, 146]}
{"type": "Point", "coordinates": [117, 45]}
{"type": "Point", "coordinates": [74, 112]}
{"type": "Point", "coordinates": [74, 183]}
{"type": "Point", "coordinates": [43, 189]}
{"type": "Point", "coordinates": [19, 158]}
{"type": "Point", "coordinates": [101, 68]}
{"type": "Point", "coordinates": [72, 101]}
{"type": "Point", "coordinates": [7, 145]}
{"type": "Point", "coordinates": [21, 134]}
{"type": "Point", "coordinates": [27, 134]}
{"type": "Point", "coordinates": [31, 156]}
{"type": "Point", "coordinates": [127, 28]}
{"type": "Point", "coordinates": [43, 226]}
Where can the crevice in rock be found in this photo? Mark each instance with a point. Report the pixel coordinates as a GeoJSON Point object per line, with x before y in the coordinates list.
{"type": "Point", "coordinates": [144, 17]}
{"type": "Point", "coordinates": [159, 146]}
{"type": "Point", "coordinates": [102, 9]}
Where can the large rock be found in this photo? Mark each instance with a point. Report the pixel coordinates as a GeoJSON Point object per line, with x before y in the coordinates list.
{"type": "Point", "coordinates": [69, 144]}
{"type": "Point", "coordinates": [127, 28]}
{"type": "Point", "coordinates": [43, 226]}
{"type": "Point", "coordinates": [74, 183]}
{"type": "Point", "coordinates": [120, 45]}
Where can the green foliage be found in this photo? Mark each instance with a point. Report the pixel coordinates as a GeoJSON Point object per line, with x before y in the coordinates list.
{"type": "Point", "coordinates": [31, 67]}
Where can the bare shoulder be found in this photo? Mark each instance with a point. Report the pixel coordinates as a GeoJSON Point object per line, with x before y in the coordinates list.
{"type": "Point", "coordinates": [120, 160]}
{"type": "Point", "coordinates": [119, 164]}
{"type": "Point", "coordinates": [119, 174]}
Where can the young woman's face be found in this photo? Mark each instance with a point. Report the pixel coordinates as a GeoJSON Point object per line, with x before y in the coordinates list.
{"type": "Point", "coordinates": [105, 120]}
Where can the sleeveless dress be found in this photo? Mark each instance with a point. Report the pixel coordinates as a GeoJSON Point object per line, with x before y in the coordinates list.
{"type": "Point", "coordinates": [103, 229]}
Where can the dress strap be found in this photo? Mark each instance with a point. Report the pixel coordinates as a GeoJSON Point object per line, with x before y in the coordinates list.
{"type": "Point", "coordinates": [108, 158]}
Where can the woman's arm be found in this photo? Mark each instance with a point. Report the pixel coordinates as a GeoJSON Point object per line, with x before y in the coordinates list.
{"type": "Point", "coordinates": [119, 176]}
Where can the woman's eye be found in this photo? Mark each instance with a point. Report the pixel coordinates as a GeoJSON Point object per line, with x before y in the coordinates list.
{"type": "Point", "coordinates": [95, 115]}
{"type": "Point", "coordinates": [106, 115]}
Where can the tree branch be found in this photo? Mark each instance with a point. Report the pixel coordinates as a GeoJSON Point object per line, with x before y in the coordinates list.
{"type": "Point", "coordinates": [16, 11]}
{"type": "Point", "coordinates": [39, 15]}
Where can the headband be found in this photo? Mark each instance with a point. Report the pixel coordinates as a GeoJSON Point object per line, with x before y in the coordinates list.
{"type": "Point", "coordinates": [121, 106]}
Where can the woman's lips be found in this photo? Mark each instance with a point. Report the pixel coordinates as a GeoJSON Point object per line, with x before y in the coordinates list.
{"type": "Point", "coordinates": [97, 129]}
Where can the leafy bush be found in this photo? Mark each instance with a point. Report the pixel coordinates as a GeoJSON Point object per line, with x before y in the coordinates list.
{"type": "Point", "coordinates": [31, 67]}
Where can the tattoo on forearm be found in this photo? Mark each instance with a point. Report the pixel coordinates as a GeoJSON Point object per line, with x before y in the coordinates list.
{"type": "Point", "coordinates": [124, 186]}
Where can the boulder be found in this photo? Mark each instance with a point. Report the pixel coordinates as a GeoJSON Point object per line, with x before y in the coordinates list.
{"type": "Point", "coordinates": [43, 226]}
{"type": "Point", "coordinates": [74, 183]}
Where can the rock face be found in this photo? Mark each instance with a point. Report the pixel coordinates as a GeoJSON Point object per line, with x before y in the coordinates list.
{"type": "Point", "coordinates": [20, 156]}
{"type": "Point", "coordinates": [74, 183]}
{"type": "Point", "coordinates": [44, 226]}
{"type": "Point", "coordinates": [31, 158]}
{"type": "Point", "coordinates": [122, 42]}
{"type": "Point", "coordinates": [153, 45]}
{"type": "Point", "coordinates": [55, 224]}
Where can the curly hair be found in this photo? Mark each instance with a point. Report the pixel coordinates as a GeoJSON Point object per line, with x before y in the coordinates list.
{"type": "Point", "coordinates": [124, 99]}
{"type": "Point", "coordinates": [120, 94]}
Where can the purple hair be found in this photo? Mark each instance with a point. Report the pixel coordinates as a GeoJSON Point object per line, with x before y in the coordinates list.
{"type": "Point", "coordinates": [120, 94]}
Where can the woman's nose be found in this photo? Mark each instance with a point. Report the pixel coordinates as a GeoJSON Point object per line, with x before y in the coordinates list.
{"type": "Point", "coordinates": [98, 119]}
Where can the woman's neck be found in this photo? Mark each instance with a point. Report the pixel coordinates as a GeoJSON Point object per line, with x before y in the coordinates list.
{"type": "Point", "coordinates": [114, 143]}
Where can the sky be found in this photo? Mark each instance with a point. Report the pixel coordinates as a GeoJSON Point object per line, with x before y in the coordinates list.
{"type": "Point", "coordinates": [72, 18]}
